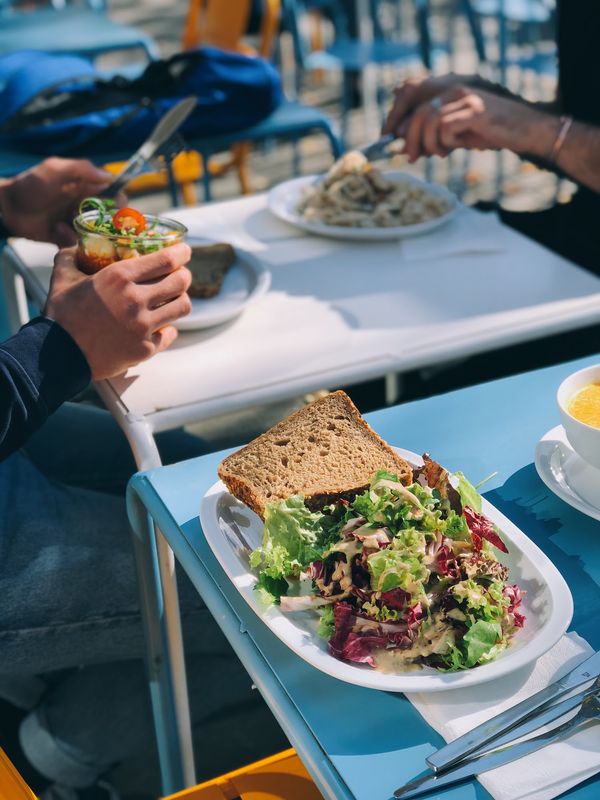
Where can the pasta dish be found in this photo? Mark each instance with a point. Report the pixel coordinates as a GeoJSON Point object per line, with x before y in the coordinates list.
{"type": "Point", "coordinates": [355, 194]}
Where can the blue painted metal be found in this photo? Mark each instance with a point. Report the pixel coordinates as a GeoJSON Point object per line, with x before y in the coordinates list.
{"type": "Point", "coordinates": [350, 55]}
{"type": "Point", "coordinates": [291, 120]}
{"type": "Point", "coordinates": [360, 743]}
{"type": "Point", "coordinates": [86, 31]}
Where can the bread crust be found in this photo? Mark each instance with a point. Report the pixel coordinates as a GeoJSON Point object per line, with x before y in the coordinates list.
{"type": "Point", "coordinates": [236, 473]}
{"type": "Point", "coordinates": [209, 265]}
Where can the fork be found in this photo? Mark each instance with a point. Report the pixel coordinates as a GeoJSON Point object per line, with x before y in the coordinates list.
{"type": "Point", "coordinates": [590, 710]}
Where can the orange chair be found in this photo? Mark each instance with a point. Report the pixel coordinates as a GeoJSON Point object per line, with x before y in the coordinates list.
{"type": "Point", "coordinates": [224, 25]}
{"type": "Point", "coordinates": [280, 777]}
{"type": "Point", "coordinates": [12, 785]}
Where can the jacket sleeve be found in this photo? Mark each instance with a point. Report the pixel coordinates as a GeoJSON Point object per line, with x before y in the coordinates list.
{"type": "Point", "coordinates": [40, 367]}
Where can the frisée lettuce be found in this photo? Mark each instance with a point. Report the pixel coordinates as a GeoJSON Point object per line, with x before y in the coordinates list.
{"type": "Point", "coordinates": [402, 576]}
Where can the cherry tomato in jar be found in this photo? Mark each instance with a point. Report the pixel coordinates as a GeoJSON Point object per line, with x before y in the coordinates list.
{"type": "Point", "coordinates": [130, 220]}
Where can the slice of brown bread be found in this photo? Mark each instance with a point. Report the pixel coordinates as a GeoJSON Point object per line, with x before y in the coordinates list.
{"type": "Point", "coordinates": [324, 451]}
{"type": "Point", "coordinates": [209, 265]}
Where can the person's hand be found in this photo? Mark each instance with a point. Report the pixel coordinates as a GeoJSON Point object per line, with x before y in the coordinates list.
{"type": "Point", "coordinates": [413, 93]}
{"type": "Point", "coordinates": [471, 118]}
{"type": "Point", "coordinates": [40, 203]}
{"type": "Point", "coordinates": [121, 315]}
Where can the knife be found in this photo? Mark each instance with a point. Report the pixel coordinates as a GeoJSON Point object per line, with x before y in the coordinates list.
{"type": "Point", "coordinates": [377, 149]}
{"type": "Point", "coordinates": [589, 710]}
{"type": "Point", "coordinates": [475, 739]}
{"type": "Point", "coordinates": [166, 127]}
{"type": "Point", "coordinates": [535, 721]}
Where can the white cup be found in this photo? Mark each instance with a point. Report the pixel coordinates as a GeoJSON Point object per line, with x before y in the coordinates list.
{"type": "Point", "coordinates": [584, 439]}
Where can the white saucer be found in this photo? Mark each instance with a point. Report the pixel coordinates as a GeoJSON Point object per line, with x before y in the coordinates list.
{"type": "Point", "coordinates": [567, 474]}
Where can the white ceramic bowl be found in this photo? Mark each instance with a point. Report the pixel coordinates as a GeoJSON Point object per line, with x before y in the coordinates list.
{"type": "Point", "coordinates": [585, 439]}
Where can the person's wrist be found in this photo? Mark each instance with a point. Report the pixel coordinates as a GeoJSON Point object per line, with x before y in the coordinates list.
{"type": "Point", "coordinates": [539, 133]}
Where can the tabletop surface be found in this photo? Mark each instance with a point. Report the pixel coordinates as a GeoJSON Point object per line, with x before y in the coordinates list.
{"type": "Point", "coordinates": [384, 741]}
{"type": "Point", "coordinates": [342, 312]}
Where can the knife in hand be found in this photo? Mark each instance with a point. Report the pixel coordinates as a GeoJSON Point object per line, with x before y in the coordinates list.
{"type": "Point", "coordinates": [476, 738]}
{"type": "Point", "coordinates": [166, 127]}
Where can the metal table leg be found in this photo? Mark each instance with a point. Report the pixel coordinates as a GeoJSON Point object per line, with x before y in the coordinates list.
{"type": "Point", "coordinates": [159, 603]}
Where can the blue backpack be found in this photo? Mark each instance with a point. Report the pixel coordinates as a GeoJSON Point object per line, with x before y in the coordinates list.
{"type": "Point", "coordinates": [60, 105]}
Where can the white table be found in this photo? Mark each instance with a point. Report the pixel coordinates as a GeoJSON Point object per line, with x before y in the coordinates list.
{"type": "Point", "coordinates": [340, 313]}
{"type": "Point", "coordinates": [337, 313]}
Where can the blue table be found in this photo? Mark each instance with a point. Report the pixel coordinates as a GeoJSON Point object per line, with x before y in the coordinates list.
{"type": "Point", "coordinates": [360, 743]}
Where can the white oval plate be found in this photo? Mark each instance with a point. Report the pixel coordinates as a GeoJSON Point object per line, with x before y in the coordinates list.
{"type": "Point", "coordinates": [567, 474]}
{"type": "Point", "coordinates": [231, 530]}
{"type": "Point", "coordinates": [283, 203]}
{"type": "Point", "coordinates": [245, 282]}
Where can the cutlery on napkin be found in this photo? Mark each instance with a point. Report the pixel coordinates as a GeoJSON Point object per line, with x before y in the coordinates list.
{"type": "Point", "coordinates": [539, 775]}
{"type": "Point", "coordinates": [589, 710]}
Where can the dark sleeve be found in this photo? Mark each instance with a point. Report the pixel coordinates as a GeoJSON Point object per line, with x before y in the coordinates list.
{"type": "Point", "coordinates": [40, 368]}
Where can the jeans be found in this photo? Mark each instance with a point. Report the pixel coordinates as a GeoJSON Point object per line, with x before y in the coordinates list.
{"type": "Point", "coordinates": [71, 638]}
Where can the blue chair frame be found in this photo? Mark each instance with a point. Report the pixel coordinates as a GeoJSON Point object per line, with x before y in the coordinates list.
{"type": "Point", "coordinates": [291, 121]}
{"type": "Point", "coordinates": [351, 55]}
{"type": "Point", "coordinates": [86, 31]}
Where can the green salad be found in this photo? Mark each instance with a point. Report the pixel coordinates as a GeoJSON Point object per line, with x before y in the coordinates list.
{"type": "Point", "coordinates": [402, 577]}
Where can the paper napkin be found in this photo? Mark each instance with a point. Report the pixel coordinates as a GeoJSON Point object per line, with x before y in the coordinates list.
{"type": "Point", "coordinates": [467, 232]}
{"type": "Point", "coordinates": [538, 776]}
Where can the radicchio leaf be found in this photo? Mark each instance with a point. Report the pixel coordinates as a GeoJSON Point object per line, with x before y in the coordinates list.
{"type": "Point", "coordinates": [395, 599]}
{"type": "Point", "coordinates": [515, 596]}
{"type": "Point", "coordinates": [343, 620]}
{"type": "Point", "coordinates": [481, 528]}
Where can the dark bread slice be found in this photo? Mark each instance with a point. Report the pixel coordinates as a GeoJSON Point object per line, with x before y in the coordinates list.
{"type": "Point", "coordinates": [209, 265]}
{"type": "Point", "coordinates": [324, 451]}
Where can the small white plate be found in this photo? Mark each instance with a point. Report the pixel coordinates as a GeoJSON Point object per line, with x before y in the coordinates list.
{"type": "Point", "coordinates": [231, 530]}
{"type": "Point", "coordinates": [567, 474]}
{"type": "Point", "coordinates": [246, 280]}
{"type": "Point", "coordinates": [283, 203]}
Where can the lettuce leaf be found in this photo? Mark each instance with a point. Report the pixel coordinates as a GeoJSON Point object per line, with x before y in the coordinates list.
{"type": "Point", "coordinates": [326, 626]}
{"type": "Point", "coordinates": [271, 589]}
{"type": "Point", "coordinates": [468, 493]}
{"type": "Point", "coordinates": [289, 538]}
{"type": "Point", "coordinates": [480, 639]}
{"type": "Point", "coordinates": [393, 568]}
{"type": "Point", "coordinates": [481, 643]}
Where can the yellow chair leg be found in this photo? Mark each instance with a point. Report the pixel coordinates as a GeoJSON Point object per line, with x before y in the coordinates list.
{"type": "Point", "coordinates": [241, 154]}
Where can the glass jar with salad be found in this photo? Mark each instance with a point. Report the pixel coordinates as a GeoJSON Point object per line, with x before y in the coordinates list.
{"type": "Point", "coordinates": [106, 234]}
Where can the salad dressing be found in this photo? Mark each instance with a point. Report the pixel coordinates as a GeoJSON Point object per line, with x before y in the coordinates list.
{"type": "Point", "coordinates": [426, 592]}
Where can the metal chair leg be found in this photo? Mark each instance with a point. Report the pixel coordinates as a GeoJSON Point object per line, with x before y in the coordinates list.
{"type": "Point", "coordinates": [173, 187]}
{"type": "Point", "coordinates": [206, 177]}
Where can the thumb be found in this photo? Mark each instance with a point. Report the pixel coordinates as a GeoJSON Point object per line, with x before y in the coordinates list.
{"type": "Point", "coordinates": [164, 337]}
{"type": "Point", "coordinates": [65, 270]}
{"type": "Point", "coordinates": [63, 234]}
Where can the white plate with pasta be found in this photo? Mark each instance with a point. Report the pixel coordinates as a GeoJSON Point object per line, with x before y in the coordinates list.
{"type": "Point", "coordinates": [363, 204]}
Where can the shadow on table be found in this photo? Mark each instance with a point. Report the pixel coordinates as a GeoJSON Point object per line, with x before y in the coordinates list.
{"type": "Point", "coordinates": [569, 538]}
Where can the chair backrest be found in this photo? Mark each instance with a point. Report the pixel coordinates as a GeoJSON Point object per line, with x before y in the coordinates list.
{"type": "Point", "coordinates": [12, 785]}
{"type": "Point", "coordinates": [224, 25]}
{"type": "Point", "coordinates": [279, 777]}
